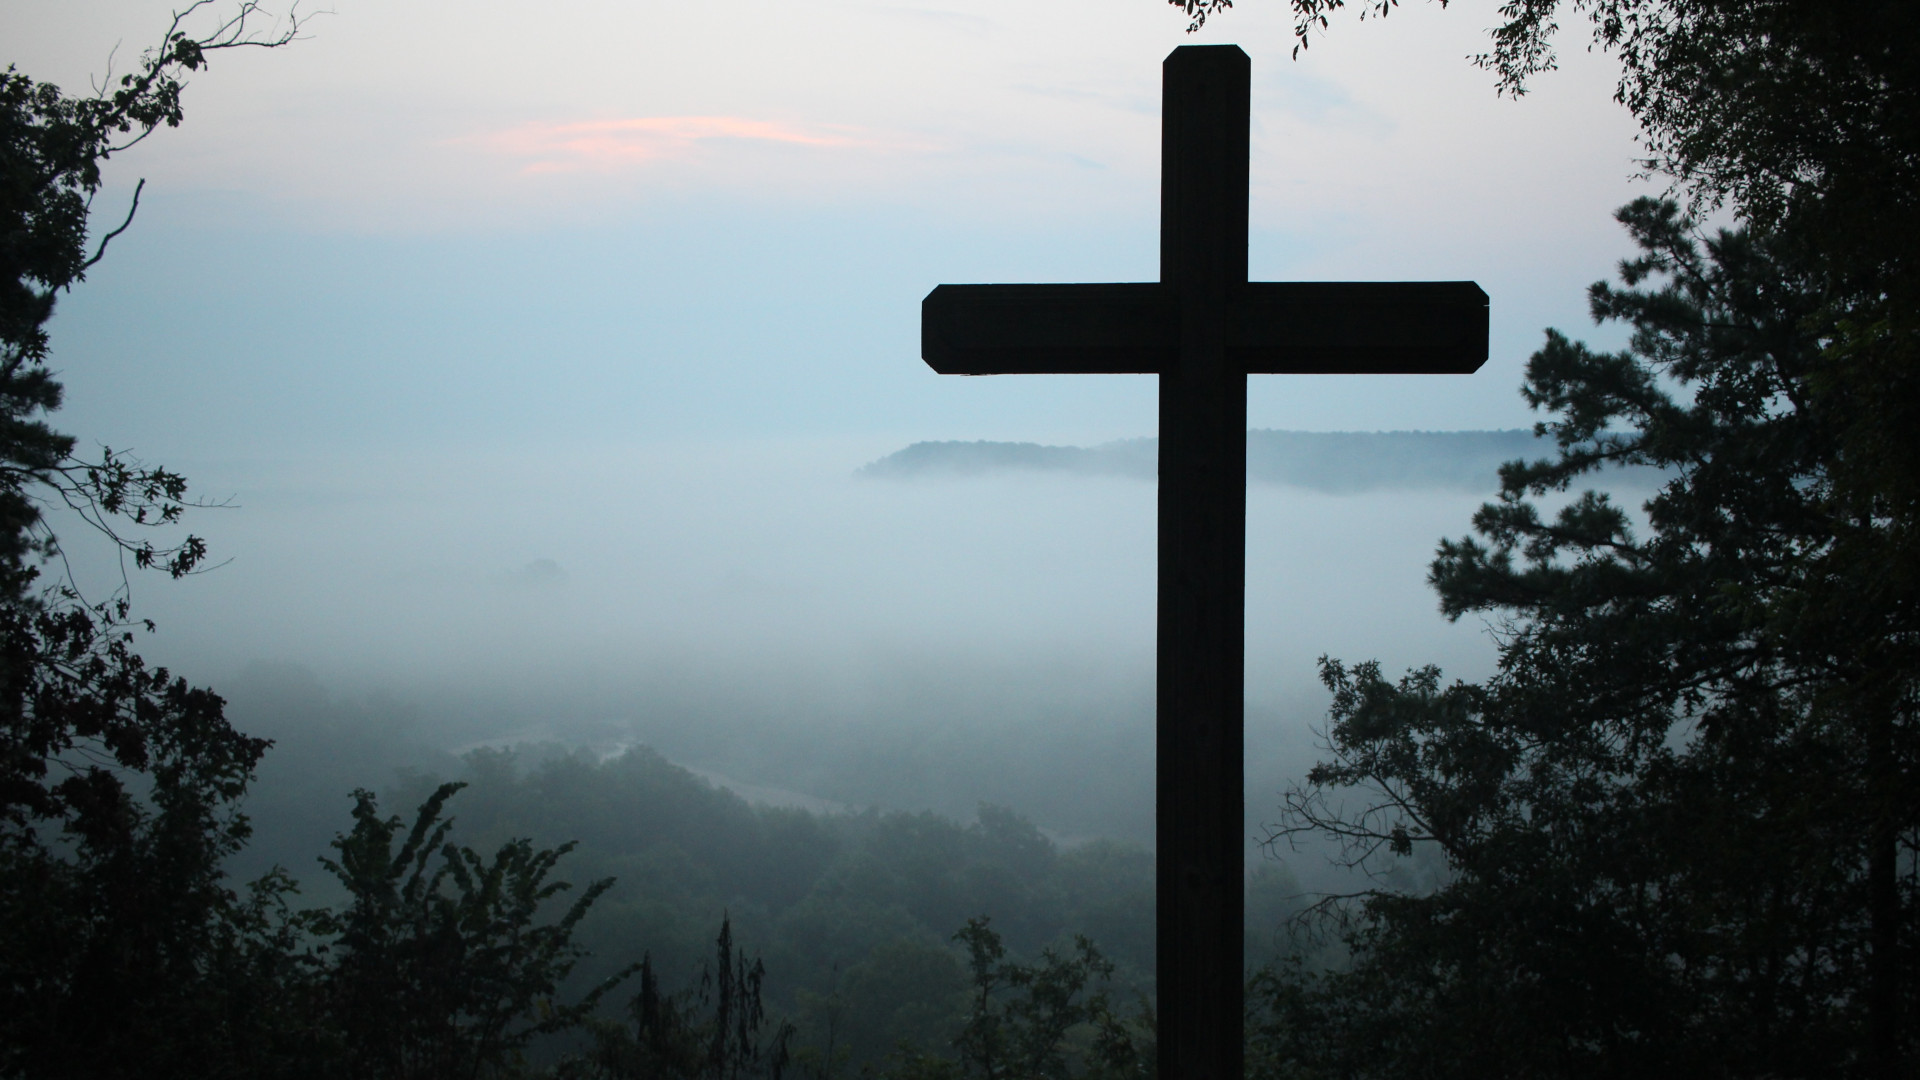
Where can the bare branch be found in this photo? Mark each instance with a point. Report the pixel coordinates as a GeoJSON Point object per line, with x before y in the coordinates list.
{"type": "Point", "coordinates": [108, 239]}
{"type": "Point", "coordinates": [150, 97]}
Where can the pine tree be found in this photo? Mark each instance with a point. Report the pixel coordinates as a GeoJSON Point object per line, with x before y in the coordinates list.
{"type": "Point", "coordinates": [1680, 820]}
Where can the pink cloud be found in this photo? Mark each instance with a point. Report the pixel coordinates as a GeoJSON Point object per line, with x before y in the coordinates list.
{"type": "Point", "coordinates": [613, 144]}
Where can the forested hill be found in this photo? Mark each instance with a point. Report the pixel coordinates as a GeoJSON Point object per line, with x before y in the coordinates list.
{"type": "Point", "coordinates": [1336, 462]}
{"type": "Point", "coordinates": [854, 912]}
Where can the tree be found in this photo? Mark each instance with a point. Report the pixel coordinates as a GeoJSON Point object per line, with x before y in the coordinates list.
{"type": "Point", "coordinates": [1681, 819]}
{"type": "Point", "coordinates": [710, 1031]}
{"type": "Point", "coordinates": [439, 967]}
{"type": "Point", "coordinates": [122, 952]}
{"type": "Point", "coordinates": [1036, 1021]}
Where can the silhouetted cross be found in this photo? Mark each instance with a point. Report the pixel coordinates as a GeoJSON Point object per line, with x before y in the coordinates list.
{"type": "Point", "coordinates": [1203, 328]}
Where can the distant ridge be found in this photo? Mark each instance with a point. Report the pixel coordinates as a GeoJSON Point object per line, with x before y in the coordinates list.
{"type": "Point", "coordinates": [1337, 462]}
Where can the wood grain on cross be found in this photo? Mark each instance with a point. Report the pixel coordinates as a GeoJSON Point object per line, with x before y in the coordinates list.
{"type": "Point", "coordinates": [1203, 328]}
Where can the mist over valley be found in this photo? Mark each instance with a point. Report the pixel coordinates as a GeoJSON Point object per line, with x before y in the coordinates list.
{"type": "Point", "coordinates": [782, 619]}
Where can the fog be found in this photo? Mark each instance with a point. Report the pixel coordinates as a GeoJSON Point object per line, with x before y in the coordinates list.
{"type": "Point", "coordinates": [764, 613]}
{"type": "Point", "coordinates": [541, 490]}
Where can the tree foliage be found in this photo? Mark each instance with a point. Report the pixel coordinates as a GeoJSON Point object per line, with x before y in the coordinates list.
{"type": "Point", "coordinates": [709, 1031]}
{"type": "Point", "coordinates": [851, 911]}
{"type": "Point", "coordinates": [1681, 817]}
{"type": "Point", "coordinates": [1053, 1019]}
{"type": "Point", "coordinates": [439, 966]}
{"type": "Point", "coordinates": [52, 147]}
{"type": "Point", "coordinates": [117, 780]}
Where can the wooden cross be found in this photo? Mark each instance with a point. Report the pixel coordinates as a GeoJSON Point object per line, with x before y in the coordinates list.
{"type": "Point", "coordinates": [1203, 328]}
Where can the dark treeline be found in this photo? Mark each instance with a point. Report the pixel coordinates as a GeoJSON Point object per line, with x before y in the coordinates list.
{"type": "Point", "coordinates": [854, 914]}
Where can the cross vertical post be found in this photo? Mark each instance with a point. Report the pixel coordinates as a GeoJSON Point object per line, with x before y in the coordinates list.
{"type": "Point", "coordinates": [1201, 635]}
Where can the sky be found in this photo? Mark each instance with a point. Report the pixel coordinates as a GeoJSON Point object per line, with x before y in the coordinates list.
{"type": "Point", "coordinates": [534, 345]}
{"type": "Point", "coordinates": [672, 222]}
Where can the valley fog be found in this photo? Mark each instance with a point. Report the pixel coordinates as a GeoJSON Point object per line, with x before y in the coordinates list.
{"type": "Point", "coordinates": [762, 614]}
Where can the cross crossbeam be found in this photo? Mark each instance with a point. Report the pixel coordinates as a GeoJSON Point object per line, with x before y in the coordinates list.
{"type": "Point", "coordinates": [1273, 328]}
{"type": "Point", "coordinates": [1203, 328]}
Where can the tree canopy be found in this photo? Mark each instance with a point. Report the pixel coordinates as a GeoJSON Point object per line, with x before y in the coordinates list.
{"type": "Point", "coordinates": [118, 781]}
{"type": "Point", "coordinates": [1680, 820]}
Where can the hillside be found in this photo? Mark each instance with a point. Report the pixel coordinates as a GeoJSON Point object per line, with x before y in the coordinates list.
{"type": "Point", "coordinates": [1334, 462]}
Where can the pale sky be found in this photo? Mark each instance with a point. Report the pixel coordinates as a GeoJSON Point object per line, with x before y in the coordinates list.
{"type": "Point", "coordinates": [446, 289]}
{"type": "Point", "coordinates": [701, 220]}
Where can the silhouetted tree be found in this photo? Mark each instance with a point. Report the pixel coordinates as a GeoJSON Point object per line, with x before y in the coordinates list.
{"type": "Point", "coordinates": [122, 951]}
{"type": "Point", "coordinates": [846, 924]}
{"type": "Point", "coordinates": [711, 1031]}
{"type": "Point", "coordinates": [1680, 820]}
{"type": "Point", "coordinates": [1039, 1021]}
{"type": "Point", "coordinates": [439, 965]}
